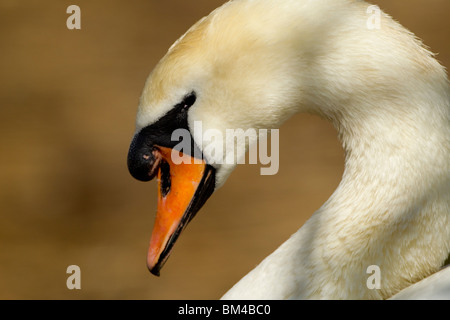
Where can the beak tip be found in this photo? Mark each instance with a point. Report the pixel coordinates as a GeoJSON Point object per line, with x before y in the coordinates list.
{"type": "Point", "coordinates": [153, 267]}
{"type": "Point", "coordinates": [156, 273]}
{"type": "Point", "coordinates": [155, 270]}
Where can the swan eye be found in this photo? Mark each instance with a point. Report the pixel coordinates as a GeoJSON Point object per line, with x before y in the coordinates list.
{"type": "Point", "coordinates": [188, 101]}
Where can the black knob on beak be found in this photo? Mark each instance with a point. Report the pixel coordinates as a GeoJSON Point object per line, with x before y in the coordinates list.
{"type": "Point", "coordinates": [143, 159]}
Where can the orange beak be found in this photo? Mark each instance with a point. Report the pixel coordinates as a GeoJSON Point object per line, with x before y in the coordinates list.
{"type": "Point", "coordinates": [183, 188]}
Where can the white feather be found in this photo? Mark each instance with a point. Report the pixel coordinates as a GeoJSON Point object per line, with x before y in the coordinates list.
{"type": "Point", "coordinates": [255, 63]}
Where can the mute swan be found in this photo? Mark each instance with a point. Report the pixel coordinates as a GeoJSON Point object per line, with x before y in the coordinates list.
{"type": "Point", "coordinates": [255, 63]}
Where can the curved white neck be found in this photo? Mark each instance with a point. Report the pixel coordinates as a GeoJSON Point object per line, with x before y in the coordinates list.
{"type": "Point", "coordinates": [391, 209]}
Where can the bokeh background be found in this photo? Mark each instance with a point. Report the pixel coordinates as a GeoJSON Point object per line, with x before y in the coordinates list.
{"type": "Point", "coordinates": [67, 108]}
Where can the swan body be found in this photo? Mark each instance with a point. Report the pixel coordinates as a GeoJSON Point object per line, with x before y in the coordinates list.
{"type": "Point", "coordinates": [434, 287]}
{"type": "Point", "coordinates": [255, 63]}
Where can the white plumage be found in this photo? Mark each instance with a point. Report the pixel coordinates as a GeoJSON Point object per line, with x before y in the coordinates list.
{"type": "Point", "coordinates": [435, 287]}
{"type": "Point", "coordinates": [255, 63]}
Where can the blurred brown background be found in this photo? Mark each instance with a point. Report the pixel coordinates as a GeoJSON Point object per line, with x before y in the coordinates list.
{"type": "Point", "coordinates": [67, 108]}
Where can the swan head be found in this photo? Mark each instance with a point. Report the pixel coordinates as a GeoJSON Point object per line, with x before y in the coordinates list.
{"type": "Point", "coordinates": [215, 78]}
